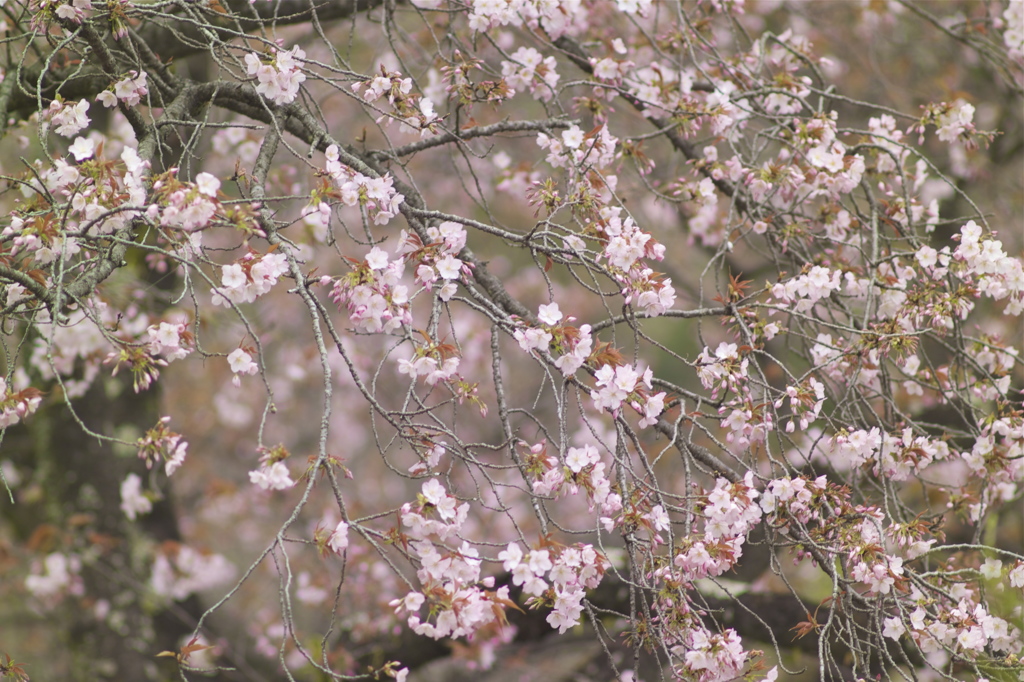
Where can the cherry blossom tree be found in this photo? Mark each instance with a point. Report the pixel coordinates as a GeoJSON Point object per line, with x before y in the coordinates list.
{"type": "Point", "coordinates": [341, 336]}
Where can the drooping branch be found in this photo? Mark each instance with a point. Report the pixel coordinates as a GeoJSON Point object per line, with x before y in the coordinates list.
{"type": "Point", "coordinates": [170, 35]}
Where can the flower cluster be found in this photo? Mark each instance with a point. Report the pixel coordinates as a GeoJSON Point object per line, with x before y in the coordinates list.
{"type": "Point", "coordinates": [532, 338]}
{"type": "Point", "coordinates": [377, 195]}
{"type": "Point", "coordinates": [389, 84]}
{"type": "Point", "coordinates": [616, 385]}
{"type": "Point", "coordinates": [792, 497]}
{"type": "Point", "coordinates": [583, 470]}
{"type": "Point", "coordinates": [965, 625]}
{"type": "Point", "coordinates": [952, 121]}
{"type": "Point", "coordinates": [729, 514]}
{"type": "Point", "coordinates": [730, 510]}
{"type": "Point", "coordinates": [130, 90]}
{"type": "Point", "coordinates": [529, 70]}
{"type": "Point", "coordinates": [575, 343]}
{"type": "Point", "coordinates": [74, 10]}
{"type": "Point", "coordinates": [625, 245]}
{"type": "Point", "coordinates": [434, 499]}
{"type": "Point", "coordinates": [241, 362]}
{"type": "Point", "coordinates": [273, 473]}
{"type": "Point", "coordinates": [133, 500]}
{"type": "Point", "coordinates": [801, 293]}
{"type": "Point", "coordinates": [879, 576]}
{"type": "Point", "coordinates": [853, 531]}
{"type": "Point", "coordinates": [461, 604]}
{"type": "Point", "coordinates": [711, 657]}
{"type": "Point", "coordinates": [654, 293]}
{"type": "Point", "coordinates": [997, 274]}
{"type": "Point", "coordinates": [700, 557]}
{"type": "Point", "coordinates": [98, 197]}
{"type": "Point", "coordinates": [829, 169]}
{"type": "Point", "coordinates": [272, 477]}
{"type": "Point", "coordinates": [373, 294]}
{"type": "Point", "coordinates": [459, 612]}
{"type": "Point", "coordinates": [182, 205]}
{"type": "Point", "coordinates": [723, 371]}
{"type": "Point", "coordinates": [562, 17]}
{"type": "Point", "coordinates": [170, 340]}
{"type": "Point", "coordinates": [997, 456]}
{"type": "Point", "coordinates": [249, 278]}
{"type": "Point", "coordinates": [278, 76]}
{"type": "Point", "coordinates": [571, 570]}
{"type": "Point", "coordinates": [68, 118]}
{"type": "Point", "coordinates": [141, 357]}
{"type": "Point", "coordinates": [583, 151]}
{"type": "Point", "coordinates": [895, 456]}
{"type": "Point", "coordinates": [415, 112]}
{"type": "Point", "coordinates": [436, 362]}
{"type": "Point", "coordinates": [611, 70]}
{"type": "Point", "coordinates": [436, 262]}
{"type": "Point", "coordinates": [160, 444]}
{"type": "Point", "coordinates": [16, 405]}
{"type": "Point", "coordinates": [747, 423]}
{"type": "Point", "coordinates": [539, 338]}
